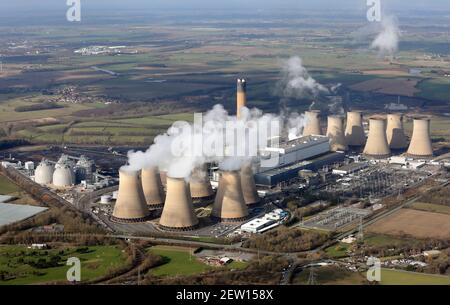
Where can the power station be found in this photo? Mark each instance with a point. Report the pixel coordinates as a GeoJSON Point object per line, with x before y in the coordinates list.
{"type": "Point", "coordinates": [130, 204]}
{"type": "Point", "coordinates": [241, 100]}
{"type": "Point", "coordinates": [152, 188]}
{"type": "Point", "coordinates": [178, 213]}
{"type": "Point", "coordinates": [248, 185]}
{"type": "Point", "coordinates": [200, 186]}
{"type": "Point", "coordinates": [377, 145]}
{"type": "Point", "coordinates": [229, 205]}
{"type": "Point", "coordinates": [312, 123]}
{"type": "Point", "coordinates": [420, 145]}
{"type": "Point", "coordinates": [395, 134]}
{"type": "Point", "coordinates": [336, 134]}
{"type": "Point", "coordinates": [354, 130]}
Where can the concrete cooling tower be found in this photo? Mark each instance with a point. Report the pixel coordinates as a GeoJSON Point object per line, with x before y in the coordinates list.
{"type": "Point", "coordinates": [178, 213]}
{"type": "Point", "coordinates": [152, 188]}
{"type": "Point", "coordinates": [377, 145]}
{"type": "Point", "coordinates": [229, 205]}
{"type": "Point", "coordinates": [200, 185]}
{"type": "Point", "coordinates": [354, 130]}
{"type": "Point", "coordinates": [335, 132]}
{"type": "Point", "coordinates": [312, 123]}
{"type": "Point", "coordinates": [420, 145]}
{"type": "Point", "coordinates": [44, 173]}
{"type": "Point", "coordinates": [130, 204]}
{"type": "Point", "coordinates": [241, 99]}
{"type": "Point", "coordinates": [248, 185]}
{"type": "Point", "coordinates": [395, 135]}
{"type": "Point", "coordinates": [63, 176]}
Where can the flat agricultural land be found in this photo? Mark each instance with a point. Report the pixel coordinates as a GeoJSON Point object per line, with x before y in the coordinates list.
{"type": "Point", "coordinates": [182, 261]}
{"type": "Point", "coordinates": [418, 224]}
{"type": "Point", "coordinates": [405, 87]}
{"type": "Point", "coordinates": [6, 186]}
{"type": "Point", "coordinates": [431, 207]}
{"type": "Point", "coordinates": [22, 266]}
{"type": "Point", "coordinates": [330, 275]}
{"type": "Point", "coordinates": [400, 277]}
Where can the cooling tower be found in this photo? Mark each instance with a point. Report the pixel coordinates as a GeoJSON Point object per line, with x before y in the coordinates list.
{"type": "Point", "coordinates": [241, 99]}
{"type": "Point", "coordinates": [377, 145]}
{"type": "Point", "coordinates": [395, 135]}
{"type": "Point", "coordinates": [229, 205]}
{"type": "Point", "coordinates": [152, 188]}
{"type": "Point", "coordinates": [312, 124]}
{"type": "Point", "coordinates": [178, 213]}
{"type": "Point", "coordinates": [354, 130]}
{"type": "Point", "coordinates": [200, 185]}
{"type": "Point", "coordinates": [44, 173]}
{"type": "Point", "coordinates": [248, 185]}
{"type": "Point", "coordinates": [130, 204]}
{"type": "Point", "coordinates": [63, 176]}
{"type": "Point", "coordinates": [420, 145]}
{"type": "Point", "coordinates": [335, 132]}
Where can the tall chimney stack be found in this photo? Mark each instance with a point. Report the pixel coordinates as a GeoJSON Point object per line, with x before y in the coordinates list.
{"type": "Point", "coordinates": [130, 204]}
{"type": "Point", "coordinates": [248, 185]}
{"type": "Point", "coordinates": [335, 132]}
{"type": "Point", "coordinates": [229, 205]}
{"type": "Point", "coordinates": [420, 145]}
{"type": "Point", "coordinates": [312, 124]}
{"type": "Point", "coordinates": [377, 145]}
{"type": "Point", "coordinates": [178, 213]}
{"type": "Point", "coordinates": [354, 130]}
{"type": "Point", "coordinates": [241, 100]}
{"type": "Point", "coordinates": [200, 185]}
{"type": "Point", "coordinates": [394, 132]}
{"type": "Point", "coordinates": [152, 187]}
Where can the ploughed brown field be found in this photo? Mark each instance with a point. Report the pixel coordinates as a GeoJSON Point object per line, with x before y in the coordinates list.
{"type": "Point", "coordinates": [406, 87]}
{"type": "Point", "coordinates": [419, 224]}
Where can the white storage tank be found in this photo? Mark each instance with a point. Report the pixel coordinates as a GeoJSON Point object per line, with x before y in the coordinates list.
{"type": "Point", "coordinates": [44, 173]}
{"type": "Point", "coordinates": [63, 176]}
{"type": "Point", "coordinates": [105, 199]}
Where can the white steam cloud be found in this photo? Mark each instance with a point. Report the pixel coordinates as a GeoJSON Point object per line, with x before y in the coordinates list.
{"type": "Point", "coordinates": [296, 82]}
{"type": "Point", "coordinates": [186, 146]}
{"type": "Point", "coordinates": [386, 42]}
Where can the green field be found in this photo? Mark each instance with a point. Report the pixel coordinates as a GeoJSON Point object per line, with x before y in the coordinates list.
{"type": "Point", "coordinates": [399, 277]}
{"type": "Point", "coordinates": [6, 186]}
{"type": "Point", "coordinates": [380, 240]}
{"type": "Point", "coordinates": [181, 261]}
{"type": "Point", "coordinates": [337, 251]}
{"type": "Point", "coordinates": [430, 207]}
{"type": "Point", "coordinates": [19, 265]}
{"type": "Point", "coordinates": [330, 275]}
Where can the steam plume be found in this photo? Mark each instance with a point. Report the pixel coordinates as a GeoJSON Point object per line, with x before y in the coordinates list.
{"type": "Point", "coordinates": [386, 42]}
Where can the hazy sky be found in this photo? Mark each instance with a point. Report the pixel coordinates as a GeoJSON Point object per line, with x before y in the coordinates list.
{"type": "Point", "coordinates": [225, 4]}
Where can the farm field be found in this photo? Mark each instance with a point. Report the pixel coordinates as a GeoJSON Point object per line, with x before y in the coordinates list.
{"type": "Point", "coordinates": [181, 261]}
{"type": "Point", "coordinates": [6, 186]}
{"type": "Point", "coordinates": [22, 266]}
{"type": "Point", "coordinates": [430, 207]}
{"type": "Point", "coordinates": [400, 277]}
{"type": "Point", "coordinates": [418, 224]}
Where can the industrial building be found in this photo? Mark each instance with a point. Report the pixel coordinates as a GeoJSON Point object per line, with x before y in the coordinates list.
{"type": "Point", "coordinates": [350, 168]}
{"type": "Point", "coordinates": [312, 124]}
{"type": "Point", "coordinates": [152, 188]}
{"type": "Point", "coordinates": [394, 131]}
{"type": "Point", "coordinates": [248, 185]}
{"type": "Point", "coordinates": [420, 146]}
{"type": "Point", "coordinates": [44, 173]}
{"type": "Point", "coordinates": [200, 186]}
{"type": "Point", "coordinates": [377, 144]}
{"type": "Point", "coordinates": [267, 222]}
{"type": "Point", "coordinates": [336, 134]}
{"type": "Point", "coordinates": [354, 130]}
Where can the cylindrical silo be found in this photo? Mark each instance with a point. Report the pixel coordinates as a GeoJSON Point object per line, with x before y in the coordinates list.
{"type": "Point", "coordinates": [178, 213]}
{"type": "Point", "coordinates": [152, 188]}
{"type": "Point", "coordinates": [394, 132]}
{"type": "Point", "coordinates": [335, 132]}
{"type": "Point", "coordinates": [354, 130]}
{"type": "Point", "coordinates": [312, 123]}
{"type": "Point", "coordinates": [63, 176]}
{"type": "Point", "coordinates": [377, 145]}
{"type": "Point", "coordinates": [229, 205]}
{"type": "Point", "coordinates": [201, 189]}
{"type": "Point", "coordinates": [248, 185]}
{"type": "Point", "coordinates": [420, 145]}
{"type": "Point", "coordinates": [44, 173]}
{"type": "Point", "coordinates": [130, 204]}
{"type": "Point", "coordinates": [241, 98]}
